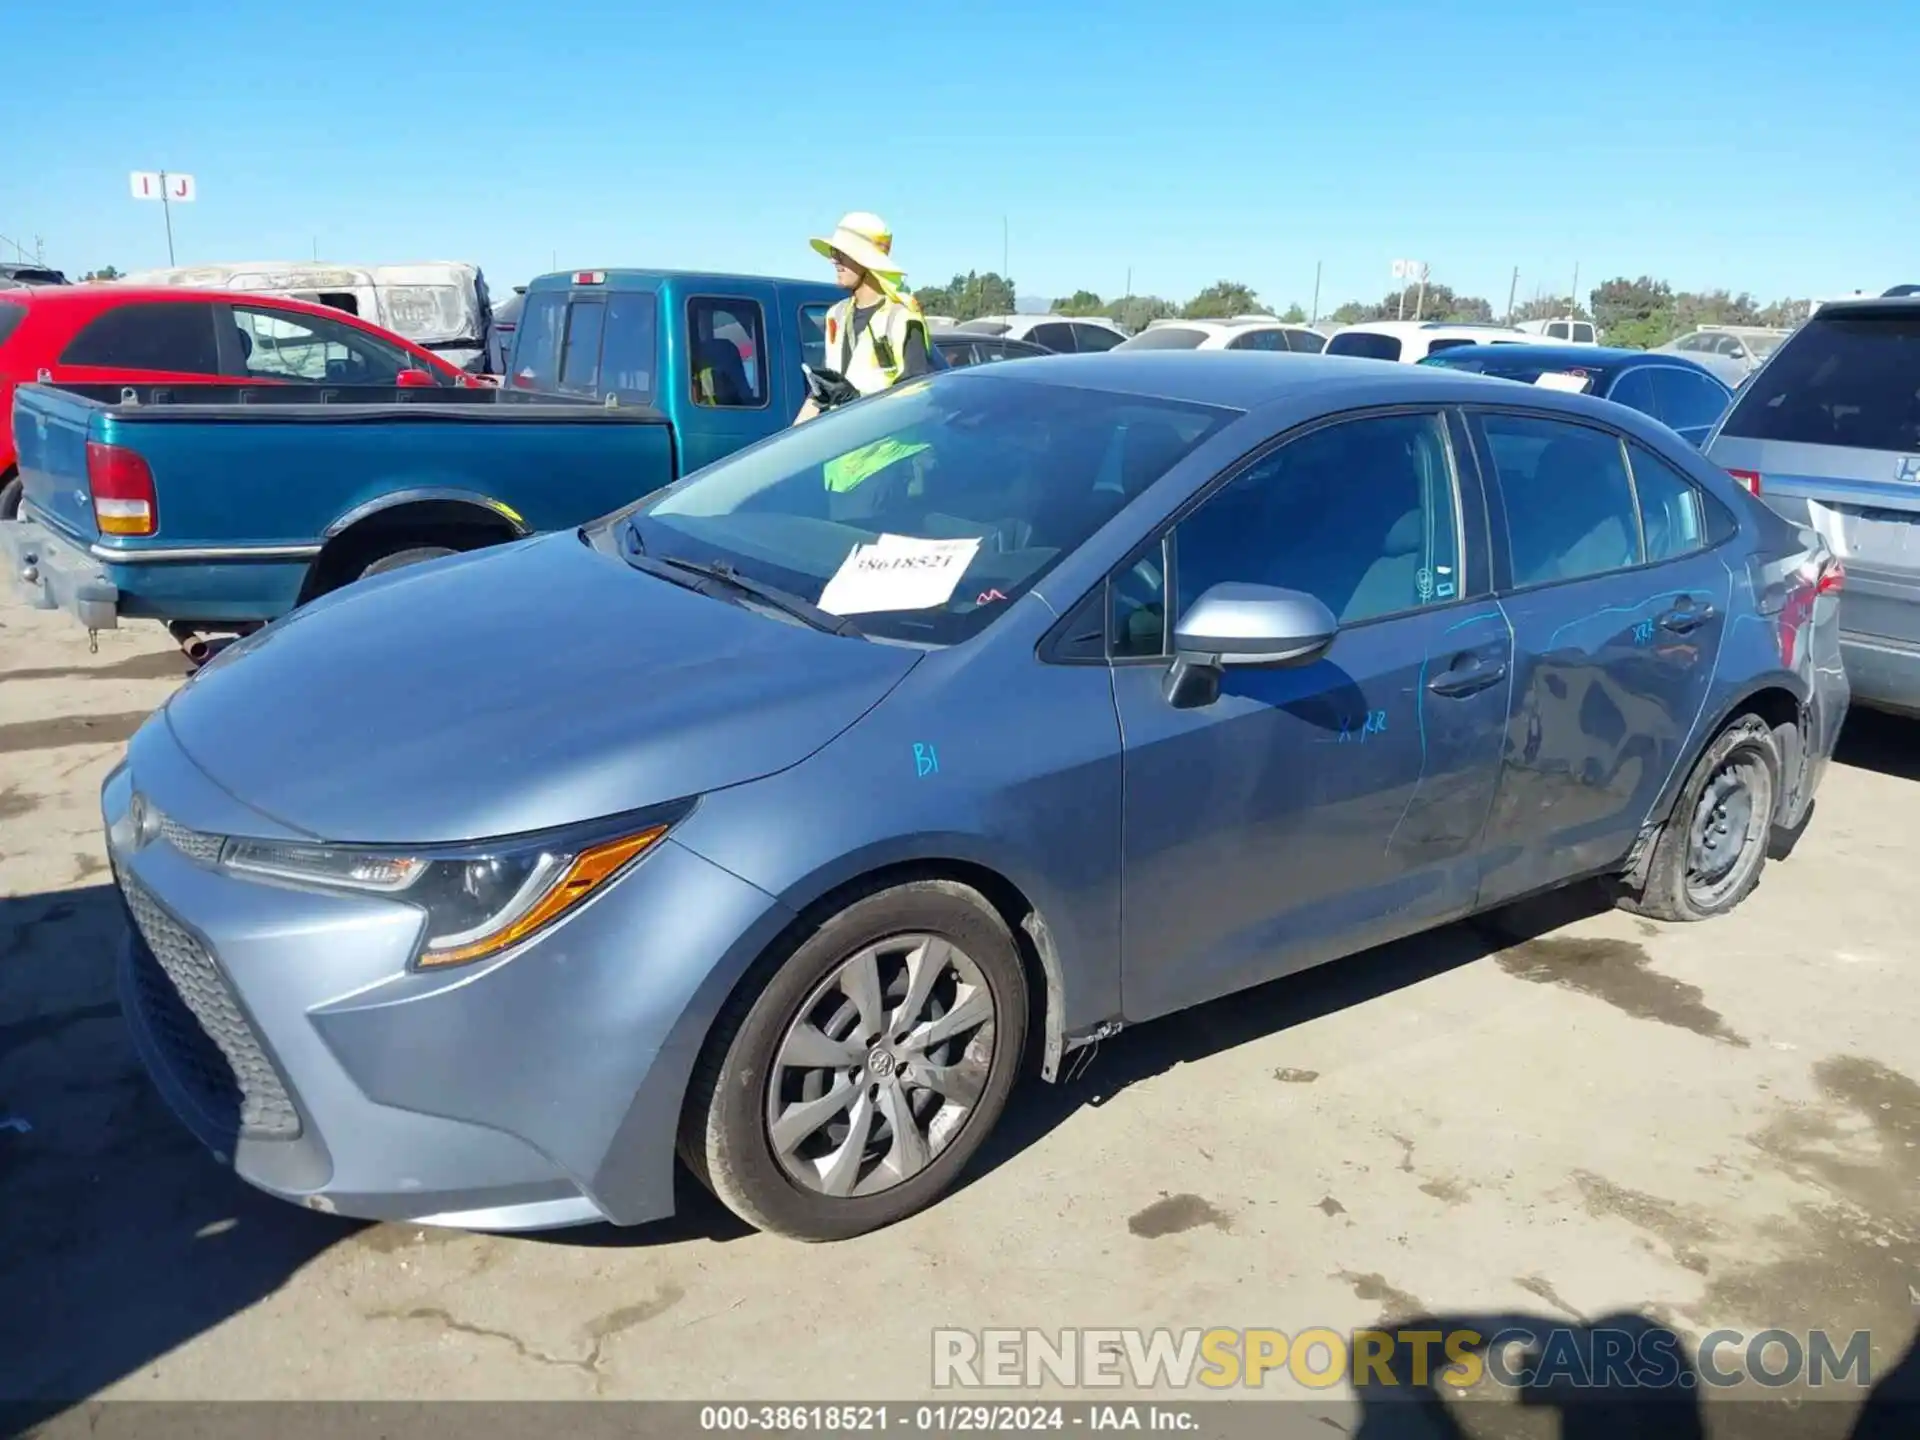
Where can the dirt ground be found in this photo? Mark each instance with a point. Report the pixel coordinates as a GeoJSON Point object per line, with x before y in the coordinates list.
{"type": "Point", "coordinates": [1686, 1127]}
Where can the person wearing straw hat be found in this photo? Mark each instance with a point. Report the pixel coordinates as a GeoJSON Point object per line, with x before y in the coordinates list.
{"type": "Point", "coordinates": [877, 336]}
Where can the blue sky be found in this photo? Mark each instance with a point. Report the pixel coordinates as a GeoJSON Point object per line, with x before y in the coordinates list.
{"type": "Point", "coordinates": [1708, 143]}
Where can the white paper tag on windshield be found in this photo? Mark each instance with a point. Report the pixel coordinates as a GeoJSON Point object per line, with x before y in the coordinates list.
{"type": "Point", "coordinates": [1559, 380]}
{"type": "Point", "coordinates": [898, 572]}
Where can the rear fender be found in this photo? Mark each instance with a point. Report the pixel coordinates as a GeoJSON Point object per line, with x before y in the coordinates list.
{"type": "Point", "coordinates": [423, 514]}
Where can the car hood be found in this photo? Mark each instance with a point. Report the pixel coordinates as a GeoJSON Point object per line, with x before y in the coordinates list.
{"type": "Point", "coordinates": [513, 689]}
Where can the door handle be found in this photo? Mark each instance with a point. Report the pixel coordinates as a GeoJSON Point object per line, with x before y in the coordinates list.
{"type": "Point", "coordinates": [1468, 679]}
{"type": "Point", "coordinates": [1685, 618]}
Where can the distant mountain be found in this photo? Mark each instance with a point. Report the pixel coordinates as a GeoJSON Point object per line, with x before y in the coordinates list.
{"type": "Point", "coordinates": [1032, 304]}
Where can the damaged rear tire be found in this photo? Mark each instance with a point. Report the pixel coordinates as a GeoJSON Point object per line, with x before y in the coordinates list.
{"type": "Point", "coordinates": [1710, 852]}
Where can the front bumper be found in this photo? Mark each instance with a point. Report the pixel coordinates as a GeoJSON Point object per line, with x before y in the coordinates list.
{"type": "Point", "coordinates": [286, 1030]}
{"type": "Point", "coordinates": [50, 572]}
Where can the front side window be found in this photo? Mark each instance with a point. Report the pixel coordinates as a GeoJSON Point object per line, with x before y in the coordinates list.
{"type": "Point", "coordinates": [1365, 344]}
{"type": "Point", "coordinates": [726, 347]}
{"type": "Point", "coordinates": [1851, 380]}
{"type": "Point", "coordinates": [1570, 507]}
{"type": "Point", "coordinates": [305, 349]}
{"type": "Point", "coordinates": [536, 352]}
{"type": "Point", "coordinates": [175, 336]}
{"type": "Point", "coordinates": [10, 317]}
{"type": "Point", "coordinates": [1360, 514]}
{"type": "Point", "coordinates": [1672, 513]}
{"type": "Point", "coordinates": [1259, 340]}
{"type": "Point", "coordinates": [925, 510]}
{"type": "Point", "coordinates": [1306, 342]}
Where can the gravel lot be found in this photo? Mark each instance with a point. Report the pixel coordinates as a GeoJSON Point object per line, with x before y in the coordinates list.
{"type": "Point", "coordinates": [1701, 1126]}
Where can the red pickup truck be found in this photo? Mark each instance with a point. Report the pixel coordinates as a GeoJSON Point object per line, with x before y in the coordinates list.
{"type": "Point", "coordinates": [122, 334]}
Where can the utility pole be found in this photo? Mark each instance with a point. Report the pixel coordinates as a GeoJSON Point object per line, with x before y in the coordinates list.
{"type": "Point", "coordinates": [1574, 308]}
{"type": "Point", "coordinates": [1316, 293]}
{"type": "Point", "coordinates": [1512, 290]}
{"type": "Point", "coordinates": [1420, 299]}
{"type": "Point", "coordinates": [1004, 263]}
{"type": "Point", "coordinates": [166, 209]}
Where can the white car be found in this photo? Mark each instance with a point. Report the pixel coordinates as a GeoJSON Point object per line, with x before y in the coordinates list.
{"type": "Point", "coordinates": [1565, 329]}
{"type": "Point", "coordinates": [1062, 334]}
{"type": "Point", "coordinates": [1243, 332]}
{"type": "Point", "coordinates": [1732, 352]}
{"type": "Point", "coordinates": [1411, 341]}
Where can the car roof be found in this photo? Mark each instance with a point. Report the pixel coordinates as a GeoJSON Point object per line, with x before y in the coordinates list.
{"type": "Point", "coordinates": [1585, 357]}
{"type": "Point", "coordinates": [1430, 327]}
{"type": "Point", "coordinates": [1867, 305]}
{"type": "Point", "coordinates": [1246, 379]}
{"type": "Point", "coordinates": [563, 279]}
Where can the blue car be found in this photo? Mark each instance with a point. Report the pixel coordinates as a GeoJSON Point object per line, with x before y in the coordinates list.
{"type": "Point", "coordinates": [1672, 389]}
{"type": "Point", "coordinates": [774, 823]}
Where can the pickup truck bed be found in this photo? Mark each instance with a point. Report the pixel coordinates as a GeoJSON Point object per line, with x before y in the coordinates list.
{"type": "Point", "coordinates": [219, 507]}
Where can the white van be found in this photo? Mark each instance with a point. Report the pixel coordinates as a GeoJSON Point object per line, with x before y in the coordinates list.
{"type": "Point", "coordinates": [1411, 341]}
{"type": "Point", "coordinates": [1565, 329]}
{"type": "Point", "coordinates": [440, 305]}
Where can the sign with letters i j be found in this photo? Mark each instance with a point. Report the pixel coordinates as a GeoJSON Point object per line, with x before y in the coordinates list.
{"type": "Point", "coordinates": [161, 184]}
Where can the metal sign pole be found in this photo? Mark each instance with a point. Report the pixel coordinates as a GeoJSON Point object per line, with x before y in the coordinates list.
{"type": "Point", "coordinates": [166, 210]}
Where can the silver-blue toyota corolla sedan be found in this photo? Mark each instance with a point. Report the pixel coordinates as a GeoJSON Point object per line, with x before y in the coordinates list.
{"type": "Point", "coordinates": [777, 822]}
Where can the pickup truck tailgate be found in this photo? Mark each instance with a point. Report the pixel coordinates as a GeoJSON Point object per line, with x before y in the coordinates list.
{"type": "Point", "coordinates": [50, 436]}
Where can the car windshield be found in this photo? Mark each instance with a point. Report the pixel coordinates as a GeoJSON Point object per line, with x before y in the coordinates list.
{"type": "Point", "coordinates": [922, 512]}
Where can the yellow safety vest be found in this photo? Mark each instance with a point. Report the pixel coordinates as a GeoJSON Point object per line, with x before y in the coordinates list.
{"type": "Point", "coordinates": [877, 360]}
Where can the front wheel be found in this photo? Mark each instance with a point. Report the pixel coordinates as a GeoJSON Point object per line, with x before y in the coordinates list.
{"type": "Point", "coordinates": [412, 555]}
{"type": "Point", "coordinates": [850, 1090]}
{"type": "Point", "coordinates": [1714, 845]}
{"type": "Point", "coordinates": [10, 494]}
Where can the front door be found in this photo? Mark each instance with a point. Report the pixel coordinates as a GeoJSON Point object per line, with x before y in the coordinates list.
{"type": "Point", "coordinates": [1618, 606]}
{"type": "Point", "coordinates": [1316, 810]}
{"type": "Point", "coordinates": [727, 378]}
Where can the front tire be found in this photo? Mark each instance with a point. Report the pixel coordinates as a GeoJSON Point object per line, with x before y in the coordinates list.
{"type": "Point", "coordinates": [1714, 845]}
{"type": "Point", "coordinates": [412, 555]}
{"type": "Point", "coordinates": [850, 1090]}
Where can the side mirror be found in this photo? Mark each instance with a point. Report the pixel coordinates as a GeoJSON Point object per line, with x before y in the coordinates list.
{"type": "Point", "coordinates": [414, 380]}
{"type": "Point", "coordinates": [1236, 624]}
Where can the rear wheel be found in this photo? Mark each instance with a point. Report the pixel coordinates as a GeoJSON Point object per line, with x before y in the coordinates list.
{"type": "Point", "coordinates": [1713, 847]}
{"type": "Point", "coordinates": [849, 1091]}
{"type": "Point", "coordinates": [398, 559]}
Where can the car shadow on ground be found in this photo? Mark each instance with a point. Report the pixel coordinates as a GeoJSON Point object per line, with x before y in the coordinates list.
{"type": "Point", "coordinates": [120, 1237]}
{"type": "Point", "coordinates": [1625, 1376]}
{"type": "Point", "coordinates": [1887, 744]}
{"type": "Point", "coordinates": [1095, 1075]}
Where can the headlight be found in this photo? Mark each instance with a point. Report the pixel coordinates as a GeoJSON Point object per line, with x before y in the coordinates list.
{"type": "Point", "coordinates": [478, 899]}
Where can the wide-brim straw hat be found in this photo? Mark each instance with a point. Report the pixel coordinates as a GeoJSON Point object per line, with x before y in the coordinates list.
{"type": "Point", "coordinates": [865, 240]}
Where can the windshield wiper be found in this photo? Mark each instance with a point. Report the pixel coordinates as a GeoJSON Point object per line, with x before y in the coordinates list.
{"type": "Point", "coordinates": [784, 601]}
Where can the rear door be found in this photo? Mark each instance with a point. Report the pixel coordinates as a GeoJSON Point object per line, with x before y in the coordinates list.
{"type": "Point", "coordinates": [1618, 605]}
{"type": "Point", "coordinates": [1831, 428]}
{"type": "Point", "coordinates": [1056, 336]}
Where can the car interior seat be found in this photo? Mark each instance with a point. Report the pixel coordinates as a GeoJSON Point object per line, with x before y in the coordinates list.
{"type": "Point", "coordinates": [726, 376]}
{"type": "Point", "coordinates": [1577, 490]}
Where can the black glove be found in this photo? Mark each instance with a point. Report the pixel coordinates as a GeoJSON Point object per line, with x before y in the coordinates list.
{"type": "Point", "coordinates": [828, 388]}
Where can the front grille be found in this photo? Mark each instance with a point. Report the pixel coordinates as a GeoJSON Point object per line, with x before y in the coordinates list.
{"type": "Point", "coordinates": [197, 846]}
{"type": "Point", "coordinates": [208, 1046]}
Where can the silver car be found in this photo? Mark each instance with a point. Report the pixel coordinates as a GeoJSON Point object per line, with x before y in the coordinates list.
{"type": "Point", "coordinates": [1731, 352]}
{"type": "Point", "coordinates": [1828, 434]}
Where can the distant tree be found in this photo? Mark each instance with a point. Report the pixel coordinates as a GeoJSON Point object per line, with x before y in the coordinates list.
{"type": "Point", "coordinates": [1624, 307]}
{"type": "Point", "coordinates": [1081, 302]}
{"type": "Point", "coordinates": [1221, 300]}
{"type": "Point", "coordinates": [1136, 312]}
{"type": "Point", "coordinates": [1295, 315]}
{"type": "Point", "coordinates": [969, 296]}
{"type": "Point", "coordinates": [1352, 313]}
{"type": "Point", "coordinates": [1439, 302]}
{"type": "Point", "coordinates": [1550, 307]}
{"type": "Point", "coordinates": [107, 272]}
{"type": "Point", "coordinates": [1785, 314]}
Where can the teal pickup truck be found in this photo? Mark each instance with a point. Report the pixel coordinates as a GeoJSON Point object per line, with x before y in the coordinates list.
{"type": "Point", "coordinates": [214, 509]}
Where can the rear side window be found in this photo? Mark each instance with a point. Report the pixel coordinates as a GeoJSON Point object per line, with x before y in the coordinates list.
{"type": "Point", "coordinates": [1259, 340]}
{"type": "Point", "coordinates": [1306, 342]}
{"type": "Point", "coordinates": [1687, 401]}
{"type": "Point", "coordinates": [1583, 332]}
{"type": "Point", "coordinates": [1635, 391]}
{"type": "Point", "coordinates": [1092, 339]}
{"type": "Point", "coordinates": [1672, 513]}
{"type": "Point", "coordinates": [1365, 345]}
{"type": "Point", "coordinates": [813, 337]}
{"type": "Point", "coordinates": [1557, 330]}
{"type": "Point", "coordinates": [1853, 382]}
{"type": "Point", "coordinates": [10, 318]}
{"type": "Point", "coordinates": [1058, 338]}
{"type": "Point", "coordinates": [536, 354]}
{"type": "Point", "coordinates": [580, 361]}
{"type": "Point", "coordinates": [726, 345]}
{"type": "Point", "coordinates": [1570, 505]}
{"type": "Point", "coordinates": [1170, 338]}
{"type": "Point", "coordinates": [163, 335]}
{"type": "Point", "coordinates": [1454, 344]}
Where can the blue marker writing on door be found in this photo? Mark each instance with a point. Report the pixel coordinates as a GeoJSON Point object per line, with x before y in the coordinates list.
{"type": "Point", "coordinates": [1643, 633]}
{"type": "Point", "coordinates": [1373, 722]}
{"type": "Point", "coordinates": [925, 761]}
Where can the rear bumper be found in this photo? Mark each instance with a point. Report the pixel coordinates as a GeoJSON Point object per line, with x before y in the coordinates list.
{"type": "Point", "coordinates": [51, 572]}
{"type": "Point", "coordinates": [1883, 673]}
